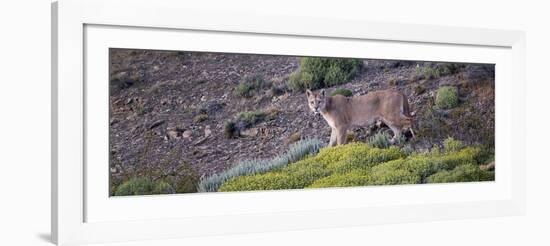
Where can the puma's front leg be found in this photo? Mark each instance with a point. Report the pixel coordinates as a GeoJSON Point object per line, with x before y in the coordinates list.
{"type": "Point", "coordinates": [341, 135]}
{"type": "Point", "coordinates": [332, 138]}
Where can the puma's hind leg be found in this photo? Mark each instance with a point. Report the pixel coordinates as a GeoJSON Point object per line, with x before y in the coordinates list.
{"type": "Point", "coordinates": [396, 133]}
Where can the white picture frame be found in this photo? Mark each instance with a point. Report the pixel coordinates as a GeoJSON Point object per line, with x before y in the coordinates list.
{"type": "Point", "coordinates": [83, 29]}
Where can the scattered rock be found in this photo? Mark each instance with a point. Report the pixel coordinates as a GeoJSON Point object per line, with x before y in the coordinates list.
{"type": "Point", "coordinates": [164, 101]}
{"type": "Point", "coordinates": [250, 132]}
{"type": "Point", "coordinates": [113, 121]}
{"type": "Point", "coordinates": [207, 131]}
{"type": "Point", "coordinates": [186, 134]}
{"type": "Point", "coordinates": [201, 141]}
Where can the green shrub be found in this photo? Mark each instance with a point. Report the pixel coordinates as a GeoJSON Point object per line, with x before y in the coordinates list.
{"type": "Point", "coordinates": [143, 186]}
{"type": "Point", "coordinates": [295, 137]}
{"type": "Point", "coordinates": [251, 117]}
{"type": "Point", "coordinates": [451, 144]}
{"type": "Point", "coordinates": [430, 73]}
{"type": "Point", "coordinates": [342, 91]}
{"type": "Point", "coordinates": [300, 81]}
{"type": "Point", "coordinates": [363, 159]}
{"type": "Point", "coordinates": [424, 165]}
{"type": "Point", "coordinates": [367, 177]}
{"type": "Point", "coordinates": [200, 118]}
{"type": "Point", "coordinates": [250, 84]}
{"type": "Point", "coordinates": [296, 152]}
{"type": "Point", "coordinates": [447, 97]}
{"type": "Point", "coordinates": [349, 179]}
{"type": "Point", "coordinates": [335, 76]}
{"type": "Point", "coordinates": [230, 130]}
{"type": "Point", "coordinates": [315, 72]}
{"type": "Point", "coordinates": [462, 173]}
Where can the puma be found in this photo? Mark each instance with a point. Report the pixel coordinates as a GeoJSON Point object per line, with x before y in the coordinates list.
{"type": "Point", "coordinates": [388, 106]}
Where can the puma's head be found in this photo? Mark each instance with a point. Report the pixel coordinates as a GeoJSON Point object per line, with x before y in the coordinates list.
{"type": "Point", "coordinates": [316, 101]}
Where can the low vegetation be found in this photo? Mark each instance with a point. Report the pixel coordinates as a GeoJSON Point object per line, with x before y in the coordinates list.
{"type": "Point", "coordinates": [447, 97]}
{"type": "Point", "coordinates": [315, 72]}
{"type": "Point", "coordinates": [143, 186]}
{"type": "Point", "coordinates": [250, 117]}
{"type": "Point", "coordinates": [451, 144]}
{"type": "Point", "coordinates": [462, 173]}
{"type": "Point", "coordinates": [200, 118]}
{"type": "Point", "coordinates": [295, 137]}
{"type": "Point", "coordinates": [296, 152]}
{"type": "Point", "coordinates": [251, 84]}
{"type": "Point", "coordinates": [358, 164]}
{"type": "Point", "coordinates": [436, 71]}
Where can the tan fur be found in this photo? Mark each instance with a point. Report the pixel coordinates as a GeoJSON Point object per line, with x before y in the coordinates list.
{"type": "Point", "coordinates": [341, 113]}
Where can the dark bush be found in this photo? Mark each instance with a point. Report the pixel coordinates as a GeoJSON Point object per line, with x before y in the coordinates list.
{"type": "Point", "coordinates": [230, 130]}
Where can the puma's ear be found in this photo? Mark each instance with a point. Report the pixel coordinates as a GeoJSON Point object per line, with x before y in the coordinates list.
{"type": "Point", "coordinates": [308, 93]}
{"type": "Point", "coordinates": [322, 93]}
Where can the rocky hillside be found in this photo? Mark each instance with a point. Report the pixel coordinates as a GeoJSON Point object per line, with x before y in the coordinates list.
{"type": "Point", "coordinates": [170, 112]}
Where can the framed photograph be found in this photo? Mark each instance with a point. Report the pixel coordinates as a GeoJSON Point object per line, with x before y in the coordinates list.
{"type": "Point", "coordinates": [168, 125]}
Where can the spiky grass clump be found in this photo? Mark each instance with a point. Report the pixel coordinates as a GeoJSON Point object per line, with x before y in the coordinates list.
{"type": "Point", "coordinates": [380, 140]}
{"type": "Point", "coordinates": [296, 152]}
{"type": "Point", "coordinates": [383, 140]}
